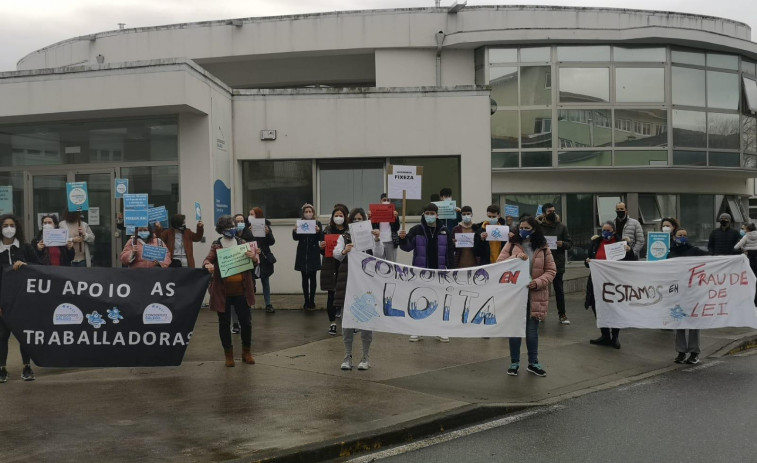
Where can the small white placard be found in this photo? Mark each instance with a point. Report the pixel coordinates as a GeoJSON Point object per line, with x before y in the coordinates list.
{"type": "Point", "coordinates": [306, 227]}
{"type": "Point", "coordinates": [258, 228]}
{"type": "Point", "coordinates": [94, 216]}
{"type": "Point", "coordinates": [385, 232]}
{"type": "Point", "coordinates": [362, 235]}
{"type": "Point", "coordinates": [55, 236]}
{"type": "Point", "coordinates": [551, 241]}
{"type": "Point", "coordinates": [464, 240]}
{"type": "Point", "coordinates": [497, 233]}
{"type": "Point", "coordinates": [615, 251]}
{"type": "Point", "coordinates": [404, 178]}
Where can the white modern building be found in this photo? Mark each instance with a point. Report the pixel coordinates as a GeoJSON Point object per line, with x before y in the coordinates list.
{"type": "Point", "coordinates": [581, 107]}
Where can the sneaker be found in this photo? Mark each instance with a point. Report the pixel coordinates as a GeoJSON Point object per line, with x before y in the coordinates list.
{"type": "Point", "coordinates": [364, 364]}
{"type": "Point", "coordinates": [414, 338]}
{"type": "Point", "coordinates": [513, 370]}
{"type": "Point", "coordinates": [536, 369]}
{"type": "Point", "coordinates": [27, 374]}
{"type": "Point", "coordinates": [693, 359]}
{"type": "Point", "coordinates": [680, 358]}
{"type": "Point", "coordinates": [235, 328]}
{"type": "Point", "coordinates": [332, 329]}
{"type": "Point", "coordinates": [442, 338]}
{"type": "Point", "coordinates": [347, 364]}
{"type": "Point", "coordinates": [3, 375]}
{"type": "Point", "coordinates": [564, 320]}
{"type": "Point", "coordinates": [269, 309]}
{"type": "Point", "coordinates": [338, 313]}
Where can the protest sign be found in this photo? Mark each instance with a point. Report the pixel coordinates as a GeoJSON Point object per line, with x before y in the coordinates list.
{"type": "Point", "coordinates": [404, 182]}
{"type": "Point", "coordinates": [306, 227]}
{"type": "Point", "coordinates": [486, 301]}
{"type": "Point", "coordinates": [198, 211]}
{"type": "Point", "coordinates": [158, 214]}
{"type": "Point", "coordinates": [539, 209]}
{"type": "Point", "coordinates": [385, 232]}
{"type": "Point", "coordinates": [616, 251]}
{"type": "Point", "coordinates": [78, 196]}
{"type": "Point", "coordinates": [55, 236]}
{"type": "Point", "coordinates": [658, 246]}
{"type": "Point", "coordinates": [135, 210]}
{"type": "Point", "coordinates": [497, 233]}
{"type": "Point", "coordinates": [361, 234]}
{"type": "Point", "coordinates": [551, 242]}
{"type": "Point", "coordinates": [233, 260]}
{"type": "Point", "coordinates": [105, 317]}
{"type": "Point", "coordinates": [153, 253]}
{"type": "Point", "coordinates": [681, 293]}
{"type": "Point", "coordinates": [133, 202]}
{"type": "Point", "coordinates": [121, 187]}
{"type": "Point", "coordinates": [258, 228]}
{"type": "Point", "coordinates": [330, 240]}
{"type": "Point", "coordinates": [6, 199]}
{"type": "Point", "coordinates": [382, 213]}
{"type": "Point", "coordinates": [511, 210]}
{"type": "Point", "coordinates": [447, 209]}
{"type": "Point", "coordinates": [464, 240]}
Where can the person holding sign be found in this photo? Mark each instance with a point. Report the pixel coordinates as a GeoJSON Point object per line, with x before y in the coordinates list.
{"type": "Point", "coordinates": [389, 230]}
{"type": "Point", "coordinates": [82, 237]}
{"type": "Point", "coordinates": [237, 290]}
{"type": "Point", "coordinates": [308, 260]}
{"type": "Point", "coordinates": [529, 244]}
{"type": "Point", "coordinates": [267, 259]}
{"type": "Point", "coordinates": [180, 240]}
{"type": "Point", "coordinates": [445, 194]}
{"type": "Point", "coordinates": [336, 228]}
{"type": "Point", "coordinates": [552, 226]}
{"type": "Point", "coordinates": [431, 245]}
{"type": "Point", "coordinates": [464, 255]}
{"type": "Point", "coordinates": [609, 336]}
{"type": "Point", "coordinates": [488, 251]}
{"type": "Point", "coordinates": [132, 255]}
{"type": "Point", "coordinates": [55, 254]}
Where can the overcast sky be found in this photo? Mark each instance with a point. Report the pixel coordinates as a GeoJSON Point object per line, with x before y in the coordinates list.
{"type": "Point", "coordinates": [27, 25]}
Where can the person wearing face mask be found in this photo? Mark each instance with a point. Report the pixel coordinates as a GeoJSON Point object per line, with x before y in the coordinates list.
{"type": "Point", "coordinates": [14, 253]}
{"type": "Point", "coordinates": [723, 239]}
{"type": "Point", "coordinates": [488, 251]}
{"type": "Point", "coordinates": [237, 291]}
{"type": "Point", "coordinates": [82, 236]}
{"type": "Point", "coordinates": [610, 336]}
{"type": "Point", "coordinates": [529, 244]}
{"type": "Point", "coordinates": [179, 240]}
{"type": "Point", "coordinates": [629, 229]}
{"type": "Point", "coordinates": [330, 265]}
{"type": "Point", "coordinates": [343, 247]}
{"type": "Point", "coordinates": [669, 225]}
{"type": "Point", "coordinates": [267, 259]}
{"type": "Point", "coordinates": [58, 256]}
{"type": "Point", "coordinates": [308, 259]}
{"type": "Point", "coordinates": [431, 245]}
{"type": "Point", "coordinates": [465, 257]}
{"type": "Point", "coordinates": [244, 231]}
{"type": "Point", "coordinates": [390, 229]}
{"type": "Point", "coordinates": [131, 256]}
{"type": "Point", "coordinates": [445, 194]}
{"type": "Point", "coordinates": [552, 226]}
{"type": "Point", "coordinates": [748, 244]}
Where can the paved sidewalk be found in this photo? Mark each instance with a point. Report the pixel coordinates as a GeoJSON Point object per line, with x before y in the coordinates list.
{"type": "Point", "coordinates": [296, 399]}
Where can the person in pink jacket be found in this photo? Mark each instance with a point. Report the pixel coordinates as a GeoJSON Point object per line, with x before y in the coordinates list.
{"type": "Point", "coordinates": [529, 244]}
{"type": "Point", "coordinates": [131, 256]}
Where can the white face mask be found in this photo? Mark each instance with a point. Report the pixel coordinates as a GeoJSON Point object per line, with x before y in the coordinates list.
{"type": "Point", "coordinates": [308, 216]}
{"type": "Point", "coordinates": [249, 219]}
{"type": "Point", "coordinates": [9, 232]}
{"type": "Point", "coordinates": [48, 226]}
{"type": "Point", "coordinates": [338, 220]}
{"type": "Point", "coordinates": [385, 202]}
{"type": "Point", "coordinates": [667, 229]}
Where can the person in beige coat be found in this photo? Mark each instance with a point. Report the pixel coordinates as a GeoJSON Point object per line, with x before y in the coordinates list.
{"type": "Point", "coordinates": [529, 244]}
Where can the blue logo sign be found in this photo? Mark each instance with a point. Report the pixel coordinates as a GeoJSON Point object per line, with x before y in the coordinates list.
{"type": "Point", "coordinates": [95, 319]}
{"type": "Point", "coordinates": [115, 315]}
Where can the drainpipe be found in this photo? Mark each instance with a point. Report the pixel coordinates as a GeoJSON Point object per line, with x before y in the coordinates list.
{"type": "Point", "coordinates": [439, 42]}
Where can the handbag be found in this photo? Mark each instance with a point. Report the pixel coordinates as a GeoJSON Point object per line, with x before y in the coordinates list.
{"type": "Point", "coordinates": [270, 257]}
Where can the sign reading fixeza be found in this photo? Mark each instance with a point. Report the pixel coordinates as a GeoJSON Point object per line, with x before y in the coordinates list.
{"type": "Point", "coordinates": [103, 317]}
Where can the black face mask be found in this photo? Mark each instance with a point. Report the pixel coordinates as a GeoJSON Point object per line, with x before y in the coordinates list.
{"type": "Point", "coordinates": [724, 223]}
{"type": "Point", "coordinates": [180, 227]}
{"type": "Point", "coordinates": [621, 214]}
{"type": "Point", "coordinates": [552, 216]}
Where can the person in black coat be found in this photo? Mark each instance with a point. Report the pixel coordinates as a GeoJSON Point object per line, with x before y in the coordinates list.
{"type": "Point", "coordinates": [14, 253]}
{"type": "Point", "coordinates": [267, 259]}
{"type": "Point", "coordinates": [55, 255]}
{"type": "Point", "coordinates": [724, 238]}
{"type": "Point", "coordinates": [308, 260]}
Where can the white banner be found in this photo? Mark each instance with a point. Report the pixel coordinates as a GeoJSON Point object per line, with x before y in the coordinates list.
{"type": "Point", "coordinates": [488, 301]}
{"type": "Point", "coordinates": [680, 293]}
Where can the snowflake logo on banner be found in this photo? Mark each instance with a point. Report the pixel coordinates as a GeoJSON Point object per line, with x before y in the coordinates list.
{"type": "Point", "coordinates": [364, 308]}
{"type": "Point", "coordinates": [677, 313]}
{"type": "Point", "coordinates": [95, 319]}
{"type": "Point", "coordinates": [115, 315]}
{"type": "Point", "coordinates": [496, 233]}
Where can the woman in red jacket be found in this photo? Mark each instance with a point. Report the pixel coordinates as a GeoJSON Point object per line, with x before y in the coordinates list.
{"type": "Point", "coordinates": [529, 244]}
{"type": "Point", "coordinates": [131, 256]}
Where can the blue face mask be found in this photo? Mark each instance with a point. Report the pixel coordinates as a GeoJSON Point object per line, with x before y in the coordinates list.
{"type": "Point", "coordinates": [230, 233]}
{"type": "Point", "coordinates": [526, 234]}
{"type": "Point", "coordinates": [144, 235]}
{"type": "Point", "coordinates": [240, 226]}
{"type": "Point", "coordinates": [681, 240]}
{"type": "Point", "coordinates": [430, 219]}
{"type": "Point", "coordinates": [742, 232]}
{"type": "Point", "coordinates": [607, 235]}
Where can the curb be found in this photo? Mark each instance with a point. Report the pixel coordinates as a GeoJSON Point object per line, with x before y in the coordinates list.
{"type": "Point", "coordinates": [748, 341]}
{"type": "Point", "coordinates": [388, 436]}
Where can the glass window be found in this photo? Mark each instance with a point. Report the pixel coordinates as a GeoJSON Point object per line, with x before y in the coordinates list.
{"type": "Point", "coordinates": [641, 127]}
{"type": "Point", "coordinates": [722, 90]}
{"type": "Point", "coordinates": [640, 54]}
{"type": "Point", "coordinates": [535, 54]}
{"type": "Point", "coordinates": [723, 130]}
{"type": "Point", "coordinates": [503, 55]}
{"type": "Point", "coordinates": [585, 85]}
{"type": "Point", "coordinates": [356, 183]}
{"type": "Point", "coordinates": [748, 66]}
{"type": "Point", "coordinates": [578, 128]}
{"type": "Point", "coordinates": [280, 188]}
{"type": "Point", "coordinates": [438, 172]}
{"type": "Point", "coordinates": [698, 216]}
{"type": "Point", "coordinates": [641, 158]}
{"type": "Point", "coordinates": [724, 159]}
{"type": "Point", "coordinates": [716, 60]}
{"type": "Point", "coordinates": [535, 85]}
{"type": "Point", "coordinates": [504, 129]}
{"type": "Point", "coordinates": [649, 210]}
{"type": "Point", "coordinates": [584, 158]}
{"type": "Point", "coordinates": [688, 57]}
{"type": "Point", "coordinates": [580, 221]}
{"type": "Point", "coordinates": [689, 158]}
{"type": "Point", "coordinates": [583, 53]}
{"type": "Point", "coordinates": [536, 128]}
{"type": "Point", "coordinates": [536, 159]}
{"type": "Point", "coordinates": [504, 82]}
{"type": "Point", "coordinates": [606, 208]}
{"type": "Point", "coordinates": [529, 204]}
{"type": "Point", "coordinates": [750, 92]}
{"type": "Point", "coordinates": [640, 85]}
{"type": "Point", "coordinates": [504, 160]}
{"type": "Point", "coordinates": [749, 134]}
{"type": "Point", "coordinates": [689, 128]}
{"type": "Point", "coordinates": [688, 86]}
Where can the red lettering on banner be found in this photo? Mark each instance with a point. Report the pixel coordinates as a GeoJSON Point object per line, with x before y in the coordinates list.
{"type": "Point", "coordinates": [510, 277]}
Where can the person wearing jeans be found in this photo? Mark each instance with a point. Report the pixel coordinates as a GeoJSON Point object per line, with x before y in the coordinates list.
{"type": "Point", "coordinates": [552, 226]}
{"type": "Point", "coordinates": [266, 257]}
